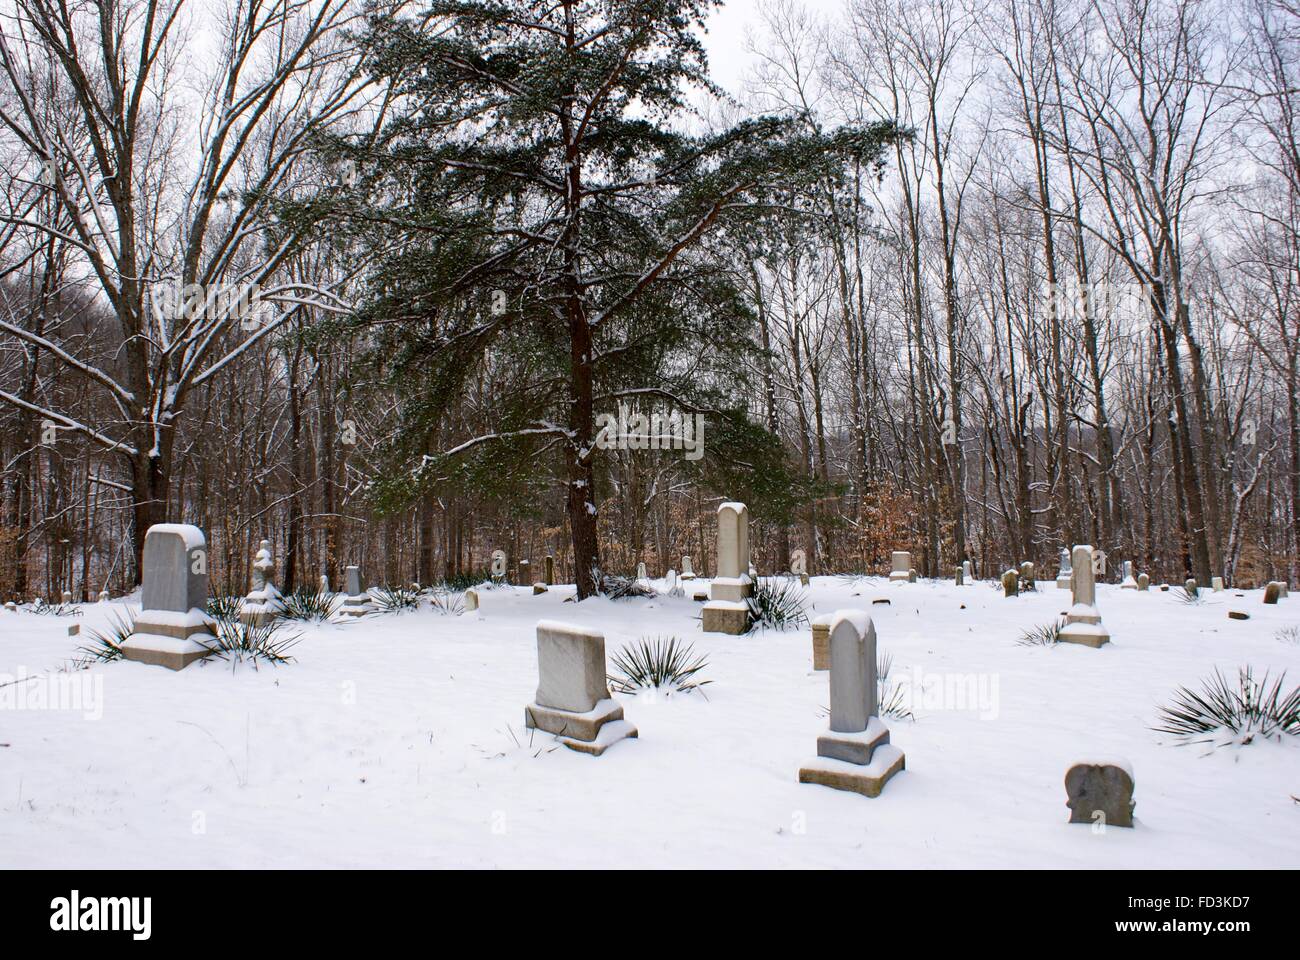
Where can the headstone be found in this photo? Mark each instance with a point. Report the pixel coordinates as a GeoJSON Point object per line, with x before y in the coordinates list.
{"type": "Point", "coordinates": [1100, 793]}
{"type": "Point", "coordinates": [173, 628]}
{"type": "Point", "coordinates": [1283, 589]}
{"type": "Point", "coordinates": [1082, 621]}
{"type": "Point", "coordinates": [1127, 582]}
{"type": "Point", "coordinates": [799, 566]}
{"type": "Point", "coordinates": [733, 583]}
{"type": "Point", "coordinates": [573, 701]}
{"type": "Point", "coordinates": [1028, 573]}
{"type": "Point", "coordinates": [67, 596]}
{"type": "Point", "coordinates": [1273, 592]}
{"type": "Point", "coordinates": [550, 570]}
{"type": "Point", "coordinates": [1238, 615]}
{"type": "Point", "coordinates": [900, 566]}
{"type": "Point", "coordinates": [498, 566]}
{"type": "Point", "coordinates": [1064, 571]}
{"type": "Point", "coordinates": [1011, 583]}
{"type": "Point", "coordinates": [821, 641]}
{"type": "Point", "coordinates": [471, 600]}
{"type": "Point", "coordinates": [688, 573]}
{"type": "Point", "coordinates": [357, 603]}
{"type": "Point", "coordinates": [525, 572]}
{"type": "Point", "coordinates": [539, 587]}
{"type": "Point", "coordinates": [855, 753]}
{"type": "Point", "coordinates": [103, 596]}
{"type": "Point", "coordinates": [1216, 584]}
{"type": "Point", "coordinates": [911, 575]}
{"type": "Point", "coordinates": [960, 576]}
{"type": "Point", "coordinates": [968, 572]}
{"type": "Point", "coordinates": [324, 583]}
{"type": "Point", "coordinates": [640, 572]}
{"type": "Point", "coordinates": [74, 630]}
{"type": "Point", "coordinates": [1191, 587]}
{"type": "Point", "coordinates": [674, 584]}
{"type": "Point", "coordinates": [264, 601]}
{"type": "Point", "coordinates": [1144, 582]}
{"type": "Point", "coordinates": [11, 606]}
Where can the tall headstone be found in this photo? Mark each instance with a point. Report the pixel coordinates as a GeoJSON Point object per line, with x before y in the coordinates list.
{"type": "Point", "coordinates": [357, 603]}
{"type": "Point", "coordinates": [959, 577]}
{"type": "Point", "coordinates": [525, 572]}
{"type": "Point", "coordinates": [325, 583]}
{"type": "Point", "coordinates": [640, 572]}
{"type": "Point", "coordinates": [1082, 621]}
{"type": "Point", "coordinates": [173, 628]}
{"type": "Point", "coordinates": [1216, 584]}
{"type": "Point", "coordinates": [1011, 583]}
{"type": "Point", "coordinates": [1064, 571]}
{"type": "Point", "coordinates": [550, 570]}
{"type": "Point", "coordinates": [900, 566]}
{"type": "Point", "coordinates": [968, 572]}
{"type": "Point", "coordinates": [821, 641]}
{"type": "Point", "coordinates": [727, 610]}
{"type": "Point", "coordinates": [264, 601]}
{"type": "Point", "coordinates": [498, 566]}
{"type": "Point", "coordinates": [855, 753]}
{"type": "Point", "coordinates": [1127, 581]}
{"type": "Point", "coordinates": [573, 701]}
{"type": "Point", "coordinates": [688, 572]}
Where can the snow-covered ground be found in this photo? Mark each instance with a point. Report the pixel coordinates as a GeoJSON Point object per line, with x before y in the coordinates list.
{"type": "Point", "coordinates": [398, 741]}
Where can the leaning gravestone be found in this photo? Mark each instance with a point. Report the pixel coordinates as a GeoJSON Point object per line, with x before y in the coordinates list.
{"type": "Point", "coordinates": [900, 566]}
{"type": "Point", "coordinates": [173, 628]}
{"type": "Point", "coordinates": [855, 753]}
{"type": "Point", "coordinates": [1100, 793]}
{"type": "Point", "coordinates": [1064, 571]}
{"type": "Point", "coordinates": [727, 611]}
{"type": "Point", "coordinates": [264, 601]}
{"type": "Point", "coordinates": [1273, 592]}
{"type": "Point", "coordinates": [1082, 621]}
{"type": "Point", "coordinates": [1011, 583]}
{"type": "Point", "coordinates": [573, 701]}
{"type": "Point", "coordinates": [358, 602]}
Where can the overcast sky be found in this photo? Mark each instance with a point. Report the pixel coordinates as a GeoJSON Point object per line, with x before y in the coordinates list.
{"type": "Point", "coordinates": [725, 41]}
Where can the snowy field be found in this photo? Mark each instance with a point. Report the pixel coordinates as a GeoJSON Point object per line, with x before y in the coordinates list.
{"type": "Point", "coordinates": [398, 741]}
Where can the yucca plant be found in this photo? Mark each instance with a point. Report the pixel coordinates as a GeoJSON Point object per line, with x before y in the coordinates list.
{"type": "Point", "coordinates": [777, 603]}
{"type": "Point", "coordinates": [224, 608]}
{"type": "Point", "coordinates": [617, 587]}
{"type": "Point", "coordinates": [59, 609]}
{"type": "Point", "coordinates": [657, 663]}
{"type": "Point", "coordinates": [106, 645]}
{"type": "Point", "coordinates": [447, 603]}
{"type": "Point", "coordinates": [463, 581]}
{"type": "Point", "coordinates": [396, 599]}
{"type": "Point", "coordinates": [1043, 635]}
{"type": "Point", "coordinates": [891, 699]}
{"type": "Point", "coordinates": [310, 604]}
{"type": "Point", "coordinates": [1246, 710]}
{"type": "Point", "coordinates": [1183, 595]}
{"type": "Point", "coordinates": [239, 642]}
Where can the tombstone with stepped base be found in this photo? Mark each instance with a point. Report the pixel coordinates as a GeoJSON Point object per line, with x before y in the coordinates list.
{"type": "Point", "coordinates": [1064, 571]}
{"type": "Point", "coordinates": [1127, 581]}
{"type": "Point", "coordinates": [264, 601]}
{"type": "Point", "coordinates": [573, 700]}
{"type": "Point", "coordinates": [900, 566]}
{"type": "Point", "coordinates": [727, 610]}
{"type": "Point", "coordinates": [1082, 622]}
{"type": "Point", "coordinates": [358, 602]}
{"type": "Point", "coordinates": [855, 753]}
{"type": "Point", "coordinates": [173, 629]}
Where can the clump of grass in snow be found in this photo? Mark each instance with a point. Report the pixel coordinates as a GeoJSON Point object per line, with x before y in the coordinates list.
{"type": "Point", "coordinates": [310, 604]}
{"type": "Point", "coordinates": [59, 609]}
{"type": "Point", "coordinates": [224, 608]}
{"type": "Point", "coordinates": [617, 587]}
{"type": "Point", "coordinates": [447, 603]}
{"type": "Point", "coordinates": [1246, 710]}
{"type": "Point", "coordinates": [239, 642]}
{"type": "Point", "coordinates": [657, 663]}
{"type": "Point", "coordinates": [1044, 635]}
{"type": "Point", "coordinates": [396, 599]}
{"type": "Point", "coordinates": [1289, 634]}
{"type": "Point", "coordinates": [777, 603]}
{"type": "Point", "coordinates": [106, 645]}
